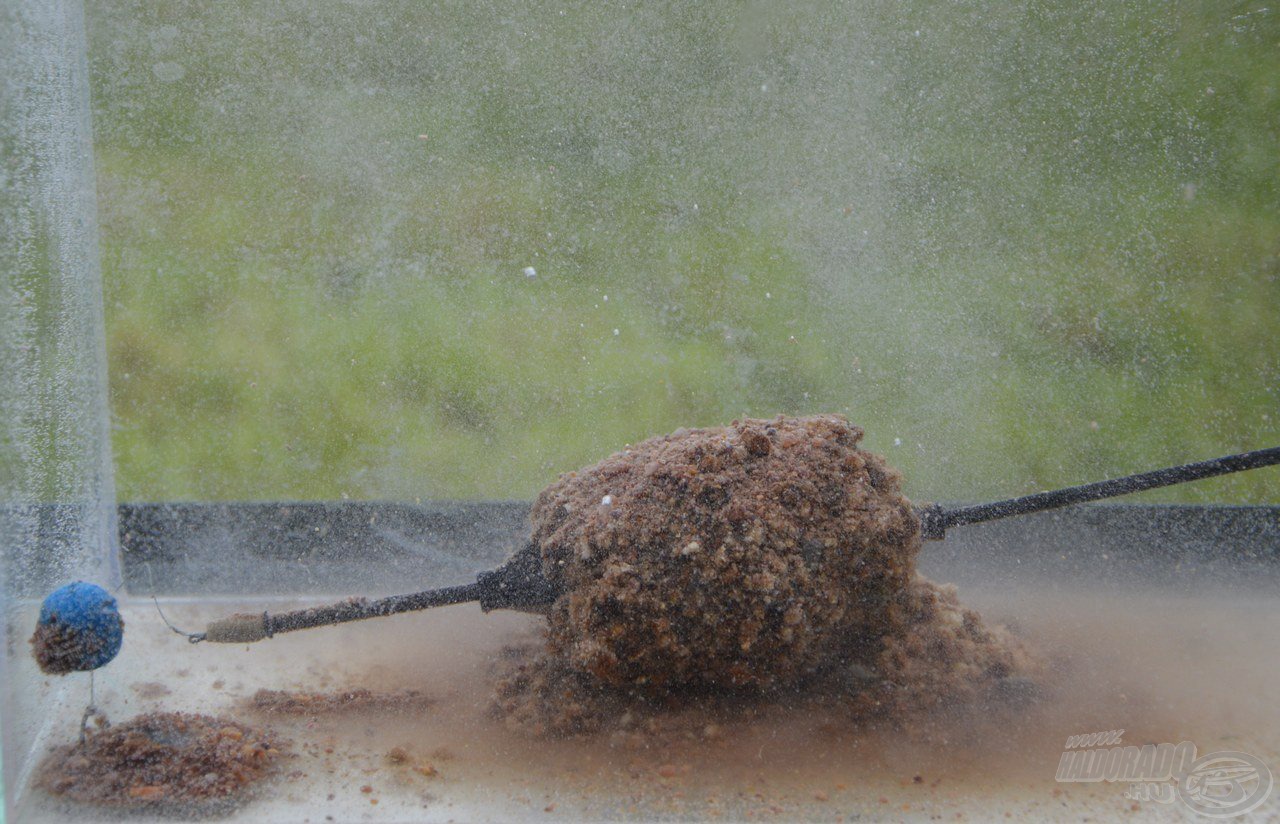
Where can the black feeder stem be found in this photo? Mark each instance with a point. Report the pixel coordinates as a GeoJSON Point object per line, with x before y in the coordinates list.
{"type": "Point", "coordinates": [935, 521]}
{"type": "Point", "coordinates": [518, 584]}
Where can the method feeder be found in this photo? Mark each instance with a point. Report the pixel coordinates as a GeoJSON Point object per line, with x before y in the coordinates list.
{"type": "Point", "coordinates": [520, 585]}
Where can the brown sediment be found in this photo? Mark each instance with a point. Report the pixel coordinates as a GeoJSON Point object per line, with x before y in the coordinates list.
{"type": "Point", "coordinates": [60, 649]}
{"type": "Point", "coordinates": [767, 557]}
{"type": "Point", "coordinates": [150, 689]}
{"type": "Point", "coordinates": [284, 702]}
{"type": "Point", "coordinates": [936, 655]}
{"type": "Point", "coordinates": [162, 760]}
{"type": "Point", "coordinates": [539, 695]}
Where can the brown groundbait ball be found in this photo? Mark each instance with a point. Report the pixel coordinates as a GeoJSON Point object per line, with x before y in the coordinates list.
{"type": "Point", "coordinates": [739, 556]}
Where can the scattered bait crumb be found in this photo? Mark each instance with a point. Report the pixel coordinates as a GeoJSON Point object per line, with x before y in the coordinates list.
{"type": "Point", "coordinates": [150, 689]}
{"type": "Point", "coordinates": [743, 563]}
{"type": "Point", "coordinates": [162, 759]}
{"type": "Point", "coordinates": [283, 702]}
{"type": "Point", "coordinates": [400, 756]}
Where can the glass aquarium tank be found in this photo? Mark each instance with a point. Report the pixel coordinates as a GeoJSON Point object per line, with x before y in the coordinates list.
{"type": "Point", "coordinates": [561, 411]}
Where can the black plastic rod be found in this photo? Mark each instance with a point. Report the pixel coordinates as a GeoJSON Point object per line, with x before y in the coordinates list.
{"type": "Point", "coordinates": [246, 628]}
{"type": "Point", "coordinates": [936, 521]}
{"type": "Point", "coordinates": [518, 584]}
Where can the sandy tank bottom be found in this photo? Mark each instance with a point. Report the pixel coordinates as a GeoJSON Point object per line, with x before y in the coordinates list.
{"type": "Point", "coordinates": [422, 746]}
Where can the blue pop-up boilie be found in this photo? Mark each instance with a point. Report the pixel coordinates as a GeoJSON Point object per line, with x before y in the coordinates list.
{"type": "Point", "coordinates": [79, 629]}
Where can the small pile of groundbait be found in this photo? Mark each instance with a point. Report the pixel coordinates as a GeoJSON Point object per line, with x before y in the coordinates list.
{"type": "Point", "coordinates": [168, 760]}
{"type": "Point", "coordinates": [760, 556]}
{"type": "Point", "coordinates": [935, 655]}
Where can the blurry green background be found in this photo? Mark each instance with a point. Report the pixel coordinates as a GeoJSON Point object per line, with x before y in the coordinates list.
{"type": "Point", "coordinates": [1022, 244]}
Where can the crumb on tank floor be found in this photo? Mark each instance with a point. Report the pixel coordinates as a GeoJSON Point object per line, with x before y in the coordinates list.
{"type": "Point", "coordinates": [1152, 664]}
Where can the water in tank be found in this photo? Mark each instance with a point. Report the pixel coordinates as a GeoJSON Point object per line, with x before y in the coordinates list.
{"type": "Point", "coordinates": [565, 411]}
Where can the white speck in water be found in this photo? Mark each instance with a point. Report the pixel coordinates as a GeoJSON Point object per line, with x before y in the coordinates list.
{"type": "Point", "coordinates": [606, 298]}
{"type": "Point", "coordinates": [530, 272]}
{"type": "Point", "coordinates": [616, 332]}
{"type": "Point", "coordinates": [768, 294]}
{"type": "Point", "coordinates": [897, 441]}
{"type": "Point", "coordinates": [607, 500]}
